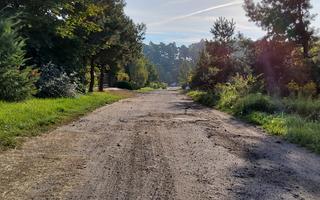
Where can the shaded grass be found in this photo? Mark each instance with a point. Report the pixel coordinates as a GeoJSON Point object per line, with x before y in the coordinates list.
{"type": "Point", "coordinates": [34, 116]}
{"type": "Point", "coordinates": [307, 108]}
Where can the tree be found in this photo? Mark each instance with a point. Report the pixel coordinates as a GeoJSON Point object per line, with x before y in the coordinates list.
{"type": "Point", "coordinates": [204, 76]}
{"type": "Point", "coordinates": [284, 19]}
{"type": "Point", "coordinates": [15, 78]}
{"type": "Point", "coordinates": [216, 63]}
{"type": "Point", "coordinates": [223, 30]}
{"type": "Point", "coordinates": [184, 73]}
{"type": "Point", "coordinates": [139, 72]}
{"type": "Point", "coordinates": [169, 57]}
{"type": "Point", "coordinates": [153, 75]}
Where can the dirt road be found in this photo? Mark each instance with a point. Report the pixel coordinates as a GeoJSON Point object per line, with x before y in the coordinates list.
{"type": "Point", "coordinates": [158, 146]}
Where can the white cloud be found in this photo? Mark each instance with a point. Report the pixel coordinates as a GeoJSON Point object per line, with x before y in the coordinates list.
{"type": "Point", "coordinates": [172, 19]}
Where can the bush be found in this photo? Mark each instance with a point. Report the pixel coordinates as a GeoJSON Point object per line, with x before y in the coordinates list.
{"type": "Point", "coordinates": [238, 87]}
{"type": "Point", "coordinates": [254, 102]}
{"type": "Point", "coordinates": [54, 83]}
{"type": "Point", "coordinates": [205, 98]}
{"type": "Point", "coordinates": [158, 85]}
{"type": "Point", "coordinates": [125, 85]}
{"type": "Point", "coordinates": [15, 81]}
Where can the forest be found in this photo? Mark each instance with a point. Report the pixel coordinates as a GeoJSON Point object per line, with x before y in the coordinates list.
{"type": "Point", "coordinates": [63, 48]}
{"type": "Point", "coordinates": [169, 59]}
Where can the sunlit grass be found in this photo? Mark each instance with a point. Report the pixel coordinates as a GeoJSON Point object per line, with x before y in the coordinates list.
{"type": "Point", "coordinates": [34, 116]}
{"type": "Point", "coordinates": [146, 89]}
{"type": "Point", "coordinates": [296, 120]}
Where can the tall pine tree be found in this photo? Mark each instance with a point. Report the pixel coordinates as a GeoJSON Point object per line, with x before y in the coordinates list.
{"type": "Point", "coordinates": [15, 83]}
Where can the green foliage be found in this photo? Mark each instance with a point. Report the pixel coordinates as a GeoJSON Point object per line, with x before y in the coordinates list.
{"type": "Point", "coordinates": [54, 83]}
{"type": "Point", "coordinates": [283, 18]}
{"type": "Point", "coordinates": [238, 87]}
{"type": "Point", "coordinates": [272, 123]}
{"type": "Point", "coordinates": [292, 127]}
{"type": "Point", "coordinates": [139, 73]}
{"type": "Point", "coordinates": [73, 33]}
{"type": "Point", "coordinates": [304, 132]}
{"type": "Point", "coordinates": [305, 107]}
{"type": "Point", "coordinates": [145, 90]}
{"type": "Point", "coordinates": [254, 102]}
{"type": "Point", "coordinates": [124, 85]}
{"type": "Point", "coordinates": [205, 75]}
{"type": "Point", "coordinates": [185, 70]}
{"type": "Point", "coordinates": [34, 116]}
{"type": "Point", "coordinates": [15, 78]}
{"type": "Point", "coordinates": [205, 98]}
{"type": "Point", "coordinates": [153, 74]}
{"type": "Point", "coordinates": [169, 57]}
{"type": "Point", "coordinates": [223, 30]}
{"type": "Point", "coordinates": [158, 85]}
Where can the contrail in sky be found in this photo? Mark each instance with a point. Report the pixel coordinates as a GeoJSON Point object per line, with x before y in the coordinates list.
{"type": "Point", "coordinates": [196, 13]}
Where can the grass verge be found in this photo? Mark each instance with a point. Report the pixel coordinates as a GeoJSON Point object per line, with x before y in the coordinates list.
{"type": "Point", "coordinates": [32, 117]}
{"type": "Point", "coordinates": [298, 123]}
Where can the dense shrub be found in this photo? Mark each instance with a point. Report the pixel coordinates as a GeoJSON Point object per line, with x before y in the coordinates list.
{"type": "Point", "coordinates": [254, 102]}
{"type": "Point", "coordinates": [238, 87]}
{"type": "Point", "coordinates": [205, 98]}
{"type": "Point", "coordinates": [15, 81]}
{"type": "Point", "coordinates": [158, 85]}
{"type": "Point", "coordinates": [54, 82]}
{"type": "Point", "coordinates": [124, 85]}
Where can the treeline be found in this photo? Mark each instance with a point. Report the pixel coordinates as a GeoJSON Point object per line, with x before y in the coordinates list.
{"type": "Point", "coordinates": [58, 48]}
{"type": "Point", "coordinates": [274, 81]}
{"type": "Point", "coordinates": [169, 57]}
{"type": "Point", "coordinates": [286, 60]}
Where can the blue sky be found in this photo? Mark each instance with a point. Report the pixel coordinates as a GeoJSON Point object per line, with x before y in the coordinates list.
{"type": "Point", "coordinates": [188, 21]}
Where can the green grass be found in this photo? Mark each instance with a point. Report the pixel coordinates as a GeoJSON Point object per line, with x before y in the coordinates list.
{"type": "Point", "coordinates": [291, 127]}
{"type": "Point", "coordinates": [307, 108]}
{"type": "Point", "coordinates": [35, 116]}
{"type": "Point", "coordinates": [146, 89]}
{"type": "Point", "coordinates": [296, 120]}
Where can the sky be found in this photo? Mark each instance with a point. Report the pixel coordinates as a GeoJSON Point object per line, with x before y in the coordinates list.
{"type": "Point", "coordinates": [189, 21]}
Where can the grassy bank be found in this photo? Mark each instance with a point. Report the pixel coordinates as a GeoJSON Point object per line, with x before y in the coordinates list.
{"type": "Point", "coordinates": [35, 116]}
{"type": "Point", "coordinates": [296, 120]}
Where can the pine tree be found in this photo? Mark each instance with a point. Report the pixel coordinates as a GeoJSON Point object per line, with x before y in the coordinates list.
{"type": "Point", "coordinates": [15, 83]}
{"type": "Point", "coordinates": [284, 19]}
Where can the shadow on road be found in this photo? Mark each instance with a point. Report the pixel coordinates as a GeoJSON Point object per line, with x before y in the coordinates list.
{"type": "Point", "coordinates": [274, 168]}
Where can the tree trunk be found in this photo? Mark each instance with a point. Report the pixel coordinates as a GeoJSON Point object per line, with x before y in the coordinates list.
{"type": "Point", "coordinates": [91, 86]}
{"type": "Point", "coordinates": [101, 79]}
